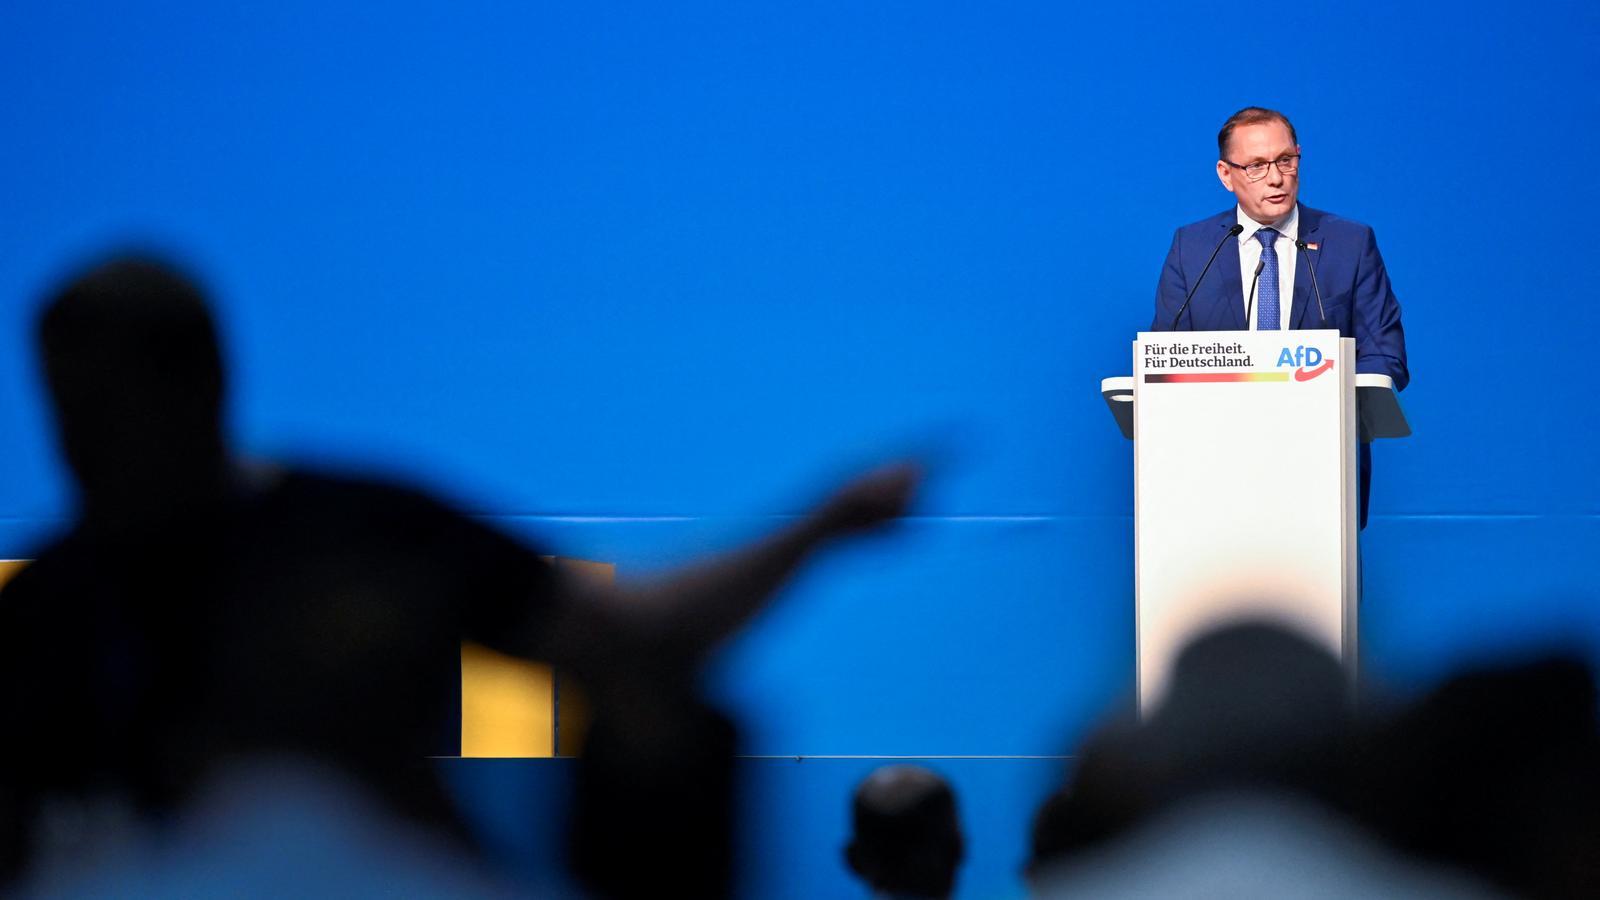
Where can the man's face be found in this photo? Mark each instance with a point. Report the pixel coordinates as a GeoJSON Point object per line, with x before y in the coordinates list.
{"type": "Point", "coordinates": [1271, 198]}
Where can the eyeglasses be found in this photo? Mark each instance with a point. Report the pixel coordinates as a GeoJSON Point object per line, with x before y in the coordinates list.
{"type": "Point", "coordinates": [1256, 171]}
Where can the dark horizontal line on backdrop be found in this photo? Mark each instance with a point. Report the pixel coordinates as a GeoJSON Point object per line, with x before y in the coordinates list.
{"type": "Point", "coordinates": [772, 518]}
{"type": "Point", "coordinates": [804, 756]}
{"type": "Point", "coordinates": [550, 517]}
{"type": "Point", "coordinates": [1398, 517]}
{"type": "Point", "coordinates": [1446, 517]}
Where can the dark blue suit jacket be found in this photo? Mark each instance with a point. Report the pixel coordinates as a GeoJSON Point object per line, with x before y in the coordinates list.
{"type": "Point", "coordinates": [1356, 296]}
{"type": "Point", "coordinates": [1355, 287]}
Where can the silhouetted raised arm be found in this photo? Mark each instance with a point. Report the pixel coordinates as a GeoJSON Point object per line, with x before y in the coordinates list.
{"type": "Point", "coordinates": [681, 616]}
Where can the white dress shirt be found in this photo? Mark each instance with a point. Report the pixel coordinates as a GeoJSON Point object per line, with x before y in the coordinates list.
{"type": "Point", "coordinates": [1288, 229]}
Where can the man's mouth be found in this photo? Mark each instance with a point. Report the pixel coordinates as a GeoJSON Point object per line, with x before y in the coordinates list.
{"type": "Point", "coordinates": [1276, 198]}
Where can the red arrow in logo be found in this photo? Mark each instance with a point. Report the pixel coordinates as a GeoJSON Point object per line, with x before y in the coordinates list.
{"type": "Point", "coordinates": [1308, 374]}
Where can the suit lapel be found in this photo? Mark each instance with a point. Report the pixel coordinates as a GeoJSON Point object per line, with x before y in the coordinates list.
{"type": "Point", "coordinates": [1304, 299]}
{"type": "Point", "coordinates": [1229, 289]}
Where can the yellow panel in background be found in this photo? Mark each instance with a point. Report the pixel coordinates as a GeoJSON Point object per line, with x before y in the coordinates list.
{"type": "Point", "coordinates": [10, 567]}
{"type": "Point", "coordinates": [507, 705]}
{"type": "Point", "coordinates": [514, 708]}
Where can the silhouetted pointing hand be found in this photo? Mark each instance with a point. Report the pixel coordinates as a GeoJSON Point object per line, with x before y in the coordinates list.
{"type": "Point", "coordinates": [871, 499]}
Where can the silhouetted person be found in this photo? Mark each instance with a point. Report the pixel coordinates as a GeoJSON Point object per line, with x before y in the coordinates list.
{"type": "Point", "coordinates": [1237, 785]}
{"type": "Point", "coordinates": [102, 633]}
{"type": "Point", "coordinates": [656, 784]}
{"type": "Point", "coordinates": [196, 614]}
{"type": "Point", "coordinates": [906, 839]}
{"type": "Point", "coordinates": [1252, 705]}
{"type": "Point", "coordinates": [1497, 771]}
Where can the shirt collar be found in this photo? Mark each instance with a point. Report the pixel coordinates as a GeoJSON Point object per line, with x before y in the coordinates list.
{"type": "Point", "coordinates": [1288, 226]}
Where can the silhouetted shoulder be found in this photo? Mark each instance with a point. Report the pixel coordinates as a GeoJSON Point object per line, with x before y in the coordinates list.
{"type": "Point", "coordinates": [419, 546]}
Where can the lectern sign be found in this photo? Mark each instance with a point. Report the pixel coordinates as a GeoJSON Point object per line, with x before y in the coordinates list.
{"type": "Point", "coordinates": [1245, 487]}
{"type": "Point", "coordinates": [1307, 362]}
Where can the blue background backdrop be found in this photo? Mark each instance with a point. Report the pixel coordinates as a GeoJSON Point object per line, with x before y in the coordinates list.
{"type": "Point", "coordinates": [637, 280]}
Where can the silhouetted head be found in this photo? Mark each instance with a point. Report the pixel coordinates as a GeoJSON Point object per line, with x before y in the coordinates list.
{"type": "Point", "coordinates": [1498, 770]}
{"type": "Point", "coordinates": [1253, 704]}
{"type": "Point", "coordinates": [907, 839]}
{"type": "Point", "coordinates": [131, 359]}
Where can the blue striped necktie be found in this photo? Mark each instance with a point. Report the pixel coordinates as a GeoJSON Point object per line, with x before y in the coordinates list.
{"type": "Point", "coordinates": [1267, 318]}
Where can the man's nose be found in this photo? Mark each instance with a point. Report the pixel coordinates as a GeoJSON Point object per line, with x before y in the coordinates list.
{"type": "Point", "coordinates": [1274, 177]}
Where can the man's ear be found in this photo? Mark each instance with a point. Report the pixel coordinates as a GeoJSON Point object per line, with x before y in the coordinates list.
{"type": "Point", "coordinates": [1225, 175]}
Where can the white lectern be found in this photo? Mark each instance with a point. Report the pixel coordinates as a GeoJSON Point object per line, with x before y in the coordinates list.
{"type": "Point", "coordinates": [1245, 450]}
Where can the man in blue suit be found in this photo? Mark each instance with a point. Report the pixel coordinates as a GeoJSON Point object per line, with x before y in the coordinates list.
{"type": "Point", "coordinates": [1259, 162]}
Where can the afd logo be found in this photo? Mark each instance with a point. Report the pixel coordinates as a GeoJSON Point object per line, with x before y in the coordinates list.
{"type": "Point", "coordinates": [1308, 361]}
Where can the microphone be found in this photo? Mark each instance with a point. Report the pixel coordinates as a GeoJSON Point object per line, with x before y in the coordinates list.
{"type": "Point", "coordinates": [1301, 246]}
{"type": "Point", "coordinates": [1249, 306]}
{"type": "Point", "coordinates": [1233, 232]}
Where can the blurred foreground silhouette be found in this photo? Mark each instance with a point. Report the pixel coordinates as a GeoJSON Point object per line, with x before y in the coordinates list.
{"type": "Point", "coordinates": [906, 839]}
{"type": "Point", "coordinates": [1255, 777]}
{"type": "Point", "coordinates": [202, 619]}
{"type": "Point", "coordinates": [225, 679]}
